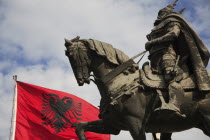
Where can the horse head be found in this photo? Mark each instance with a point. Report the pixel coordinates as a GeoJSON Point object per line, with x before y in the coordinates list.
{"type": "Point", "coordinates": [79, 57]}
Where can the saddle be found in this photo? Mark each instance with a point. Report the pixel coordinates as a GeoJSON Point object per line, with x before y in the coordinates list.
{"type": "Point", "coordinates": [157, 81]}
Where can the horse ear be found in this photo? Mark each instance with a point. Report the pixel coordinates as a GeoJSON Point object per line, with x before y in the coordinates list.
{"type": "Point", "coordinates": [67, 42]}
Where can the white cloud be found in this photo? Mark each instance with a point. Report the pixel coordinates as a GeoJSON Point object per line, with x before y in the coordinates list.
{"type": "Point", "coordinates": [32, 32]}
{"type": "Point", "coordinates": [199, 17]}
{"type": "Point", "coordinates": [40, 26]}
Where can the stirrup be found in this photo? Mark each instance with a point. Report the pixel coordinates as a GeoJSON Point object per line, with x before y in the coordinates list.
{"type": "Point", "coordinates": [168, 107]}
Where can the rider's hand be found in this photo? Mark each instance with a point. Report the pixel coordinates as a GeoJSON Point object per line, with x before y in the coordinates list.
{"type": "Point", "coordinates": [148, 45]}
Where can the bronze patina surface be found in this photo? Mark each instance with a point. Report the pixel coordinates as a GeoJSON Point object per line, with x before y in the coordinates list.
{"type": "Point", "coordinates": [171, 96]}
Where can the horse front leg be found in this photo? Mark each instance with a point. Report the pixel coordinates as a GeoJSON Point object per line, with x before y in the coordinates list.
{"type": "Point", "coordinates": [98, 126]}
{"type": "Point", "coordinates": [80, 130]}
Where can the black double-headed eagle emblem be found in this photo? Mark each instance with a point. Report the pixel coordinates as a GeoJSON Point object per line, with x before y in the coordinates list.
{"type": "Point", "coordinates": [60, 113]}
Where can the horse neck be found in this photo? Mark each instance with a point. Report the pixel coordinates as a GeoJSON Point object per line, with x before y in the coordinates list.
{"type": "Point", "coordinates": [100, 68]}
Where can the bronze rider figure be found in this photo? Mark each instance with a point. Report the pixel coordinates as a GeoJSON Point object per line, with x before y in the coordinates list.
{"type": "Point", "coordinates": [176, 52]}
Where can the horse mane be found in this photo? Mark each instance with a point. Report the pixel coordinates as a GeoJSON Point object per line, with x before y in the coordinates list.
{"type": "Point", "coordinates": [107, 51]}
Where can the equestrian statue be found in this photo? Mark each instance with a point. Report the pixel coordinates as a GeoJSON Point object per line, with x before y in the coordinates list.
{"type": "Point", "coordinates": [171, 94]}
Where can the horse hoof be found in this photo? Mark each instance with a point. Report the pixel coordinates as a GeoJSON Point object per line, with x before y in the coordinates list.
{"type": "Point", "coordinates": [80, 128]}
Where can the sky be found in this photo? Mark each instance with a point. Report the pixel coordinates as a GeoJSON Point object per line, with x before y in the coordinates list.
{"type": "Point", "coordinates": [32, 42]}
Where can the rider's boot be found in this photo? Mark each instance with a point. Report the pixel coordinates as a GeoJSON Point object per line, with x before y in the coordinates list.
{"type": "Point", "coordinates": [176, 96]}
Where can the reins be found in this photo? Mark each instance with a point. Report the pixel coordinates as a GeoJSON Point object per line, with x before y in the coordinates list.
{"type": "Point", "coordinates": [139, 54]}
{"type": "Point", "coordinates": [142, 57]}
{"type": "Point", "coordinates": [118, 70]}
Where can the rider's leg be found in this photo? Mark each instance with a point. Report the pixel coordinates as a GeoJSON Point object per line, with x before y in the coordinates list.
{"type": "Point", "coordinates": [173, 75]}
{"type": "Point", "coordinates": [176, 95]}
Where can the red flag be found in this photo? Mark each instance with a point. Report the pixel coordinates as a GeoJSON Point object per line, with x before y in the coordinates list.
{"type": "Point", "coordinates": [46, 114]}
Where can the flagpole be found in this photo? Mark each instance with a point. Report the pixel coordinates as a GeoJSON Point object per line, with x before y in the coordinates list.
{"type": "Point", "coordinates": [14, 108]}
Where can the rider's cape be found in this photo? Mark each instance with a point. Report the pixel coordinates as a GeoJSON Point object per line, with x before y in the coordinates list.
{"type": "Point", "coordinates": [198, 52]}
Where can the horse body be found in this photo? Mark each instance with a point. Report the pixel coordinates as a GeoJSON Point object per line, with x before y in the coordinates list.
{"type": "Point", "coordinates": [169, 123]}
{"type": "Point", "coordinates": [126, 106]}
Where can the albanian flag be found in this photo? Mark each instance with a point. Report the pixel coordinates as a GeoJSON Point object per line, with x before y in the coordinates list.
{"type": "Point", "coordinates": [46, 114]}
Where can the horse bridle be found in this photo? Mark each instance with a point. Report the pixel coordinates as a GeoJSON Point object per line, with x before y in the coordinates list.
{"type": "Point", "coordinates": [79, 60]}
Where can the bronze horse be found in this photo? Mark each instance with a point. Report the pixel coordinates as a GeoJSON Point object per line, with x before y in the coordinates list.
{"type": "Point", "coordinates": [127, 104]}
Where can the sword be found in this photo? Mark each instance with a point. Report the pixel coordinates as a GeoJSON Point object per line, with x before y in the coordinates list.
{"type": "Point", "coordinates": [177, 61]}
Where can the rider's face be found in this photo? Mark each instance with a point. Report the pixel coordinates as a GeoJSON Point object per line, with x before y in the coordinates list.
{"type": "Point", "coordinates": [161, 14]}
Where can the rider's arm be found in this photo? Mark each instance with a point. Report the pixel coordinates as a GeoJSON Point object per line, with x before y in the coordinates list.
{"type": "Point", "coordinates": [172, 34]}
